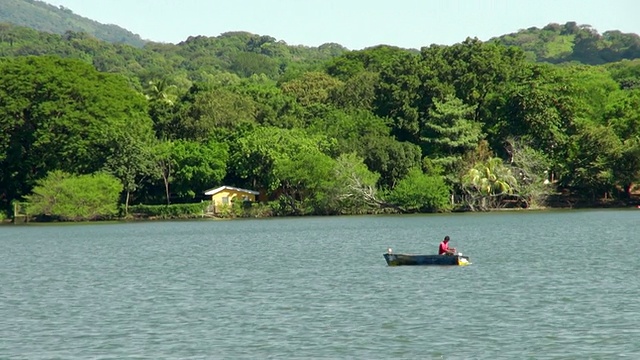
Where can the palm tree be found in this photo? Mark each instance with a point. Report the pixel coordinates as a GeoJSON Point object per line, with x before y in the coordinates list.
{"type": "Point", "coordinates": [487, 183]}
{"type": "Point", "coordinates": [161, 90]}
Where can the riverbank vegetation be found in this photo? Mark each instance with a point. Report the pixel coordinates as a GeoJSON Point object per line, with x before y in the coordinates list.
{"type": "Point", "coordinates": [92, 130]}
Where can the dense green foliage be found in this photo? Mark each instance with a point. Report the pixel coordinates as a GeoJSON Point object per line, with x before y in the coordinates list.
{"type": "Point", "coordinates": [68, 197]}
{"type": "Point", "coordinates": [58, 20]}
{"type": "Point", "coordinates": [316, 130]}
{"type": "Point", "coordinates": [58, 114]}
{"type": "Point", "coordinates": [421, 192]}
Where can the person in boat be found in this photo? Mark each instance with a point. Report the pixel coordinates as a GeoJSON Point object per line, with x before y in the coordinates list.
{"type": "Point", "coordinates": [444, 248]}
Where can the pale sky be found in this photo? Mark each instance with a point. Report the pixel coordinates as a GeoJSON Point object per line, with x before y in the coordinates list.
{"type": "Point", "coordinates": [355, 24]}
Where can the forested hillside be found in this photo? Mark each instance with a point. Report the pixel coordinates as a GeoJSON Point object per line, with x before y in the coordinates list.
{"type": "Point", "coordinates": [41, 16]}
{"type": "Point", "coordinates": [472, 126]}
{"type": "Point", "coordinates": [240, 53]}
{"type": "Point", "coordinates": [556, 43]}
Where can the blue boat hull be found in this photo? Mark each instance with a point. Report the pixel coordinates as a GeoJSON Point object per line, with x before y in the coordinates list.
{"type": "Point", "coordinates": [408, 259]}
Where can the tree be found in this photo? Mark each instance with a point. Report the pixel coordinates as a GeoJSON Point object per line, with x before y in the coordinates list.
{"type": "Point", "coordinates": [390, 158]}
{"type": "Point", "coordinates": [311, 88]}
{"type": "Point", "coordinates": [358, 92]}
{"type": "Point", "coordinates": [369, 136]}
{"type": "Point", "coordinates": [206, 111]}
{"type": "Point", "coordinates": [355, 186]}
{"type": "Point", "coordinates": [75, 197]}
{"type": "Point", "coordinates": [161, 91]}
{"type": "Point", "coordinates": [419, 192]}
{"type": "Point", "coordinates": [531, 168]}
{"type": "Point", "coordinates": [131, 162]}
{"type": "Point", "coordinates": [487, 184]}
{"type": "Point", "coordinates": [164, 164]}
{"type": "Point", "coordinates": [305, 179]}
{"type": "Point", "coordinates": [403, 96]}
{"type": "Point", "coordinates": [197, 166]}
{"type": "Point", "coordinates": [476, 70]}
{"type": "Point", "coordinates": [256, 153]}
{"type": "Point", "coordinates": [596, 150]}
{"type": "Point", "coordinates": [450, 131]}
{"type": "Point", "coordinates": [627, 169]}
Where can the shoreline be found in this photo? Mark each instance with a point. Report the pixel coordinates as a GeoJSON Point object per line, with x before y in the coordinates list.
{"type": "Point", "coordinates": [613, 205]}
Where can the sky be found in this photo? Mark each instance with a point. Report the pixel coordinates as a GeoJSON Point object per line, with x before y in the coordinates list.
{"type": "Point", "coordinates": [355, 24]}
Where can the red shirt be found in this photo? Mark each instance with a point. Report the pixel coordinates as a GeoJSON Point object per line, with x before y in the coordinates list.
{"type": "Point", "coordinates": [443, 248]}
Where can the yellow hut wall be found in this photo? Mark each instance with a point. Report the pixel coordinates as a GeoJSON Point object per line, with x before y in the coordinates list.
{"type": "Point", "coordinates": [231, 195]}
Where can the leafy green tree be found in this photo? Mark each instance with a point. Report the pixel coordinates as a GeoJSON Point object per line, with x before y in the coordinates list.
{"type": "Point", "coordinates": [353, 63]}
{"type": "Point", "coordinates": [272, 106]}
{"type": "Point", "coordinates": [246, 64]}
{"type": "Point", "coordinates": [304, 179]}
{"type": "Point", "coordinates": [626, 73]}
{"type": "Point", "coordinates": [197, 166]}
{"type": "Point", "coordinates": [391, 159]}
{"type": "Point", "coordinates": [358, 92]}
{"type": "Point", "coordinates": [207, 111]}
{"type": "Point", "coordinates": [595, 151]}
{"type": "Point", "coordinates": [475, 69]}
{"type": "Point", "coordinates": [70, 197]}
{"type": "Point", "coordinates": [311, 88]}
{"type": "Point", "coordinates": [403, 97]}
{"type": "Point", "coordinates": [540, 111]}
{"type": "Point", "coordinates": [590, 88]}
{"type": "Point", "coordinates": [369, 136]}
{"type": "Point", "coordinates": [256, 154]}
{"type": "Point", "coordinates": [131, 162]}
{"type": "Point", "coordinates": [164, 165]}
{"type": "Point", "coordinates": [624, 119]}
{"type": "Point", "coordinates": [627, 169]}
{"type": "Point", "coordinates": [419, 192]}
{"type": "Point", "coordinates": [622, 113]}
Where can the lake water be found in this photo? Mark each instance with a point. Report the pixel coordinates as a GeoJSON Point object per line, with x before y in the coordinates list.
{"type": "Point", "coordinates": [543, 285]}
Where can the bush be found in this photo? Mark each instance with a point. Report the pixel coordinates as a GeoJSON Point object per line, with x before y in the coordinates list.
{"type": "Point", "coordinates": [75, 197]}
{"type": "Point", "coordinates": [245, 209]}
{"type": "Point", "coordinates": [420, 192]}
{"type": "Point", "coordinates": [173, 211]}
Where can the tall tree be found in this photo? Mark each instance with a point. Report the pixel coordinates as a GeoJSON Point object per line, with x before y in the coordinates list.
{"type": "Point", "coordinates": [198, 166]}
{"type": "Point", "coordinates": [450, 132]}
{"type": "Point", "coordinates": [131, 162]}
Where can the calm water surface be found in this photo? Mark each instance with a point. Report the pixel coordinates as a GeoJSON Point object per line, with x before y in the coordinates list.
{"type": "Point", "coordinates": [557, 285]}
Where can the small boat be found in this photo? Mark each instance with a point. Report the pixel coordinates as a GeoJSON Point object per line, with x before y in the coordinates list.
{"type": "Point", "coordinates": [410, 259]}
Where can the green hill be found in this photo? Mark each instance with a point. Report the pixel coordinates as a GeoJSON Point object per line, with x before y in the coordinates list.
{"type": "Point", "coordinates": [556, 43]}
{"type": "Point", "coordinates": [240, 53]}
{"type": "Point", "coordinates": [41, 16]}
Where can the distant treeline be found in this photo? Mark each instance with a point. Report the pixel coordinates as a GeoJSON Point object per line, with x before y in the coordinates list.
{"type": "Point", "coordinates": [557, 43]}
